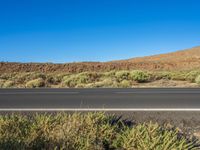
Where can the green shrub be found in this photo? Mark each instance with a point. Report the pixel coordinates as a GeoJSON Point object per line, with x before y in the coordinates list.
{"type": "Point", "coordinates": [81, 85]}
{"type": "Point", "coordinates": [191, 76]}
{"type": "Point", "coordinates": [35, 83]}
{"type": "Point", "coordinates": [8, 76]}
{"type": "Point", "coordinates": [59, 77]}
{"type": "Point", "coordinates": [87, 77]}
{"type": "Point", "coordinates": [125, 84]}
{"type": "Point", "coordinates": [107, 82]}
{"type": "Point", "coordinates": [163, 75]}
{"type": "Point", "coordinates": [197, 80]}
{"type": "Point", "coordinates": [89, 85]}
{"type": "Point", "coordinates": [139, 76]}
{"type": "Point", "coordinates": [69, 81]}
{"type": "Point", "coordinates": [8, 84]}
{"type": "Point", "coordinates": [38, 75]}
{"type": "Point", "coordinates": [87, 131]}
{"type": "Point", "coordinates": [83, 78]}
{"type": "Point", "coordinates": [178, 76]}
{"type": "Point", "coordinates": [2, 81]}
{"type": "Point", "coordinates": [151, 136]}
{"type": "Point", "coordinates": [122, 75]}
{"type": "Point", "coordinates": [109, 74]}
{"type": "Point", "coordinates": [80, 79]}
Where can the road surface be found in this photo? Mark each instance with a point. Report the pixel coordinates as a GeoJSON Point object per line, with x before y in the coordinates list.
{"type": "Point", "coordinates": [102, 98]}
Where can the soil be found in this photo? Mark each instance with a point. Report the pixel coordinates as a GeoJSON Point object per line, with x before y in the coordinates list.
{"type": "Point", "coordinates": [181, 60]}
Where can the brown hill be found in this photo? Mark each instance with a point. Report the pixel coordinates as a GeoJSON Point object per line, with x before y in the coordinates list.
{"type": "Point", "coordinates": [181, 60]}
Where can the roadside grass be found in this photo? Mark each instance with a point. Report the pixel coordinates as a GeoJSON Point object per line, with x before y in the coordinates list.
{"type": "Point", "coordinates": [123, 78]}
{"type": "Point", "coordinates": [95, 131]}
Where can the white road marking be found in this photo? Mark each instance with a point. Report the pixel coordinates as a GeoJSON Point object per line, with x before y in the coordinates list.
{"type": "Point", "coordinates": [23, 93]}
{"type": "Point", "coordinates": [100, 109]}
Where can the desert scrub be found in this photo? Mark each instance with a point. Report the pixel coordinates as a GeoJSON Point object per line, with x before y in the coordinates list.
{"type": "Point", "coordinates": [2, 81]}
{"type": "Point", "coordinates": [139, 76]}
{"type": "Point", "coordinates": [106, 82]}
{"type": "Point", "coordinates": [162, 75]}
{"type": "Point", "coordinates": [69, 81]}
{"type": "Point", "coordinates": [80, 79]}
{"type": "Point", "coordinates": [109, 74]}
{"type": "Point", "coordinates": [122, 75]}
{"type": "Point", "coordinates": [197, 80]}
{"type": "Point", "coordinates": [86, 131]}
{"type": "Point", "coordinates": [148, 136]}
{"type": "Point", "coordinates": [124, 84]}
{"type": "Point", "coordinates": [35, 83]}
{"type": "Point", "coordinates": [192, 75]}
{"type": "Point", "coordinates": [8, 84]}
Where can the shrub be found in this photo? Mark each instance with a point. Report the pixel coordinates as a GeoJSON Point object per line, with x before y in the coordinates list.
{"type": "Point", "coordinates": [122, 75]}
{"type": "Point", "coordinates": [81, 85]}
{"type": "Point", "coordinates": [87, 77]}
{"type": "Point", "coordinates": [87, 131]}
{"type": "Point", "coordinates": [197, 80]}
{"type": "Point", "coordinates": [178, 76]}
{"type": "Point", "coordinates": [35, 83]}
{"type": "Point", "coordinates": [89, 85]}
{"type": "Point", "coordinates": [109, 74]}
{"type": "Point", "coordinates": [164, 75]}
{"type": "Point", "coordinates": [69, 81]}
{"type": "Point", "coordinates": [107, 82]}
{"type": "Point", "coordinates": [38, 75]}
{"type": "Point", "coordinates": [83, 78]}
{"type": "Point", "coordinates": [21, 78]}
{"type": "Point", "coordinates": [125, 84]}
{"type": "Point", "coordinates": [2, 81]}
{"type": "Point", "coordinates": [8, 84]}
{"type": "Point", "coordinates": [191, 76]}
{"type": "Point", "coordinates": [139, 76]}
{"type": "Point", "coordinates": [151, 136]}
{"type": "Point", "coordinates": [60, 77]}
{"type": "Point", "coordinates": [80, 79]}
{"type": "Point", "coordinates": [8, 76]}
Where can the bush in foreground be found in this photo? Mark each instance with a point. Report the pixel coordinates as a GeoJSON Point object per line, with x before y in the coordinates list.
{"type": "Point", "coordinates": [84, 132]}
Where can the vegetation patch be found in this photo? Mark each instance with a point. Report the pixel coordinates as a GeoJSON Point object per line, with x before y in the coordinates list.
{"type": "Point", "coordinates": [35, 83]}
{"type": "Point", "coordinates": [86, 131]}
{"type": "Point", "coordinates": [123, 78]}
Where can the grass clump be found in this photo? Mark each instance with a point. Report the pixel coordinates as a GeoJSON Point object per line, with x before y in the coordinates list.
{"type": "Point", "coordinates": [35, 83]}
{"type": "Point", "coordinates": [84, 132]}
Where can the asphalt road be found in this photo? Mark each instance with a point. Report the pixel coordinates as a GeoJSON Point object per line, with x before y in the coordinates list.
{"type": "Point", "coordinates": [106, 98]}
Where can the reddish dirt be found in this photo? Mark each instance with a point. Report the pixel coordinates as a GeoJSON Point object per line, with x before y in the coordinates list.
{"type": "Point", "coordinates": [180, 60]}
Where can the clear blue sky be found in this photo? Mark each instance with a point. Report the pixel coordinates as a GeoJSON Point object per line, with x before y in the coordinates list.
{"type": "Point", "coordinates": [95, 30]}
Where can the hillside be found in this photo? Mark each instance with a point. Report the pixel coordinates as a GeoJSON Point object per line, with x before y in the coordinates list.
{"type": "Point", "coordinates": [181, 60]}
